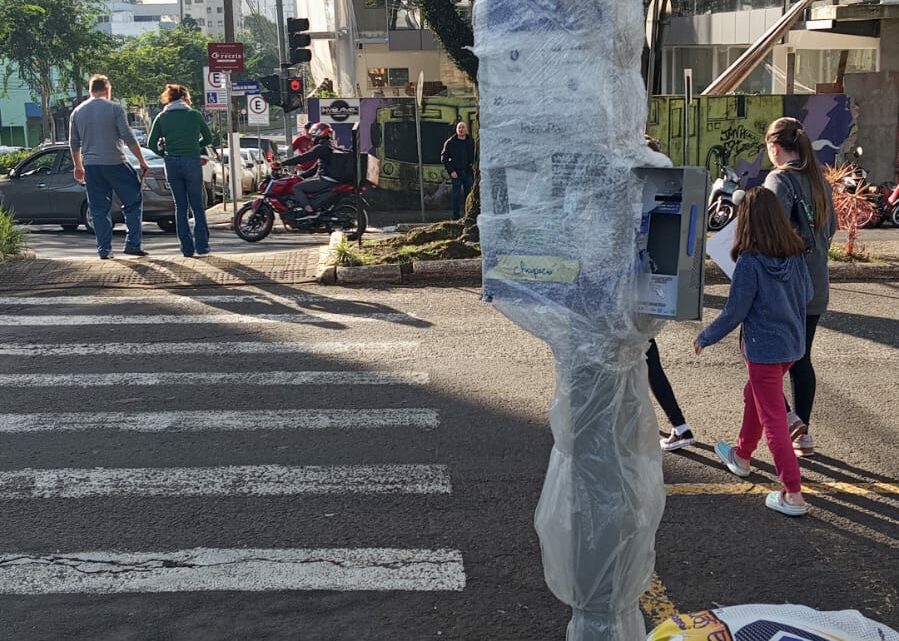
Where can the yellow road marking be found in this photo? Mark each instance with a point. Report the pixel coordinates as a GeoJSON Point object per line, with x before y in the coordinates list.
{"type": "Point", "coordinates": [825, 488]}
{"type": "Point", "coordinates": [655, 602]}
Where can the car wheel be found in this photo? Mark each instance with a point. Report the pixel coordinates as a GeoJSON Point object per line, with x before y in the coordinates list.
{"type": "Point", "coordinates": [69, 227]}
{"type": "Point", "coordinates": [86, 219]}
{"type": "Point", "coordinates": [167, 225]}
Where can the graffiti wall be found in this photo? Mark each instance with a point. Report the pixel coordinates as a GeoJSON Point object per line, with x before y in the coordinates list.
{"type": "Point", "coordinates": [387, 130]}
{"type": "Point", "coordinates": [730, 130]}
{"type": "Point", "coordinates": [726, 130]}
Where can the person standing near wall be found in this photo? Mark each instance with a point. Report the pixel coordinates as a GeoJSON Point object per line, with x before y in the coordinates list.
{"type": "Point", "coordinates": [179, 134]}
{"type": "Point", "coordinates": [458, 158]}
{"type": "Point", "coordinates": [97, 129]}
{"type": "Point", "coordinates": [790, 151]}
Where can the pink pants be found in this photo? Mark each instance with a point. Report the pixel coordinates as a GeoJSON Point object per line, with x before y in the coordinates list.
{"type": "Point", "coordinates": [764, 410]}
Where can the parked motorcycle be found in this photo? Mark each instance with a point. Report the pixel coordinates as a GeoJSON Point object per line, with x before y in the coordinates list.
{"type": "Point", "coordinates": [724, 198]}
{"type": "Point", "coordinates": [891, 204]}
{"type": "Point", "coordinates": [856, 182]}
{"type": "Point", "coordinates": [335, 209]}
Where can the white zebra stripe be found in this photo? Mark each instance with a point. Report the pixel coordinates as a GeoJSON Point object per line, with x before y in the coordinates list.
{"type": "Point", "coordinates": [142, 379]}
{"type": "Point", "coordinates": [208, 420]}
{"type": "Point", "coordinates": [247, 480]}
{"type": "Point", "coordinates": [222, 348]}
{"type": "Point", "coordinates": [68, 320]}
{"type": "Point", "coordinates": [240, 570]}
{"type": "Point", "coordinates": [169, 299]}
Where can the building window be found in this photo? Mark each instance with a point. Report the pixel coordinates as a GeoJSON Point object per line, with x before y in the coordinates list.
{"type": "Point", "coordinates": [380, 77]}
{"type": "Point", "coordinates": [220, 10]}
{"type": "Point", "coordinates": [403, 14]}
{"type": "Point", "coordinates": [397, 77]}
{"type": "Point", "coordinates": [102, 18]}
{"type": "Point", "coordinates": [377, 77]}
{"type": "Point", "coordinates": [146, 18]}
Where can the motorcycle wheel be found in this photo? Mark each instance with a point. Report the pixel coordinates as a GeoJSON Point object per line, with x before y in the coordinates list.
{"type": "Point", "coordinates": [720, 214]}
{"type": "Point", "coordinates": [253, 225]}
{"type": "Point", "coordinates": [357, 220]}
{"type": "Point", "coordinates": [894, 216]}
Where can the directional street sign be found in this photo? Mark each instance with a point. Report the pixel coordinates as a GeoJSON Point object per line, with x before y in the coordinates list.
{"type": "Point", "coordinates": [244, 87]}
{"type": "Point", "coordinates": [257, 110]}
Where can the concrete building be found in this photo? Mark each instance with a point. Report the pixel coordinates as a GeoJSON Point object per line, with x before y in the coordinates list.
{"type": "Point", "coordinates": [378, 48]}
{"type": "Point", "coordinates": [210, 15]}
{"type": "Point", "coordinates": [127, 19]}
{"type": "Point", "coordinates": [839, 46]}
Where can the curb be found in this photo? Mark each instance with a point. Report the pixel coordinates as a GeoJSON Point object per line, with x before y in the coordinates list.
{"type": "Point", "coordinates": [470, 269]}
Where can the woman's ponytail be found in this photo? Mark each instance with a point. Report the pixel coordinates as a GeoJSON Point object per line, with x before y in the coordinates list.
{"type": "Point", "coordinates": [791, 136]}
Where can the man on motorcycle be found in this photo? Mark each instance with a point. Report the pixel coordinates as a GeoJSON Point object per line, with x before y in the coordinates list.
{"type": "Point", "coordinates": [323, 148]}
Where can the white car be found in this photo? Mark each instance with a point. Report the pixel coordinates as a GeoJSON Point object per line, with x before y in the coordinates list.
{"type": "Point", "coordinates": [249, 181]}
{"type": "Point", "coordinates": [263, 168]}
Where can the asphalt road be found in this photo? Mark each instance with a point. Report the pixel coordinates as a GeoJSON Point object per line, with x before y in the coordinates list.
{"type": "Point", "coordinates": [465, 461]}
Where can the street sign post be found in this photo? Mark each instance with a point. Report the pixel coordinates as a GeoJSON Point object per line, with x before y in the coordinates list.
{"type": "Point", "coordinates": [225, 56]}
{"type": "Point", "coordinates": [214, 90]}
{"type": "Point", "coordinates": [257, 110]}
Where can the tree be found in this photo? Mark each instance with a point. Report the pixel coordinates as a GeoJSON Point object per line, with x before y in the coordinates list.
{"type": "Point", "coordinates": [260, 38]}
{"type": "Point", "coordinates": [140, 67]}
{"type": "Point", "coordinates": [37, 41]}
{"type": "Point", "coordinates": [454, 32]}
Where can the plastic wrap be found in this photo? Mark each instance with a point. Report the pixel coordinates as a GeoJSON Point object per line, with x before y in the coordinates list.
{"type": "Point", "coordinates": [562, 116]}
{"type": "Point", "coordinates": [759, 621]}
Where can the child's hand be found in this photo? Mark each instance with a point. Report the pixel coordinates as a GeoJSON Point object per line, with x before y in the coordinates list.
{"type": "Point", "coordinates": [696, 346]}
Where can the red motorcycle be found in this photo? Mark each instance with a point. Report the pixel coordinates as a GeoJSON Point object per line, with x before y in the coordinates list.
{"type": "Point", "coordinates": [338, 208]}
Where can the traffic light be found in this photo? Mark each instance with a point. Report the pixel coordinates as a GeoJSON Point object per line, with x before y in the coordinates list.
{"type": "Point", "coordinates": [294, 99]}
{"type": "Point", "coordinates": [298, 40]}
{"type": "Point", "coordinates": [272, 93]}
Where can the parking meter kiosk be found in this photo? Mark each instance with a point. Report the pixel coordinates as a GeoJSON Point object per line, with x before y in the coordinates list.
{"type": "Point", "coordinates": [585, 251]}
{"type": "Point", "coordinates": [671, 245]}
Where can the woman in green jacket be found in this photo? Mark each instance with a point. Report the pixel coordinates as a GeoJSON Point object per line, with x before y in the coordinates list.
{"type": "Point", "coordinates": [179, 134]}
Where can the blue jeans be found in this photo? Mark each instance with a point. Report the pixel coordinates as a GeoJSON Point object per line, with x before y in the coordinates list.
{"type": "Point", "coordinates": [185, 176]}
{"type": "Point", "coordinates": [102, 181]}
{"type": "Point", "coordinates": [461, 184]}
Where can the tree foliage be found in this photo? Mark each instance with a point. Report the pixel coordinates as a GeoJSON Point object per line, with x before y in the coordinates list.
{"type": "Point", "coordinates": [260, 39]}
{"type": "Point", "coordinates": [43, 41]}
{"type": "Point", "coordinates": [141, 66]}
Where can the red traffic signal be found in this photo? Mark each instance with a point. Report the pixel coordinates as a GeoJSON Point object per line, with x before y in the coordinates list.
{"type": "Point", "coordinates": [295, 85]}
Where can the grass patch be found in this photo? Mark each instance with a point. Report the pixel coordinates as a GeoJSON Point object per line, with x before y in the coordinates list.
{"type": "Point", "coordinates": [13, 238]}
{"type": "Point", "coordinates": [838, 254]}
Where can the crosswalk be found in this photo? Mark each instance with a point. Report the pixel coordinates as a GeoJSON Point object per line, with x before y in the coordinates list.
{"type": "Point", "coordinates": [183, 350]}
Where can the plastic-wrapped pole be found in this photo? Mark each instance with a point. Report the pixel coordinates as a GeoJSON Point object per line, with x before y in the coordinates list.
{"type": "Point", "coordinates": [563, 110]}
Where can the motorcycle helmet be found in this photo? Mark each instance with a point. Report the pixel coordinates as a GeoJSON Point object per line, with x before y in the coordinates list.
{"type": "Point", "coordinates": [321, 131]}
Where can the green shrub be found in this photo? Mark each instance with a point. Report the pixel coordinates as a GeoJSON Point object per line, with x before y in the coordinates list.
{"type": "Point", "coordinates": [8, 161]}
{"type": "Point", "coordinates": [12, 236]}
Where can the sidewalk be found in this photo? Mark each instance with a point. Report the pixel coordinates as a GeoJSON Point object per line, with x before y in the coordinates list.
{"type": "Point", "coordinates": [301, 266]}
{"type": "Point", "coordinates": [286, 267]}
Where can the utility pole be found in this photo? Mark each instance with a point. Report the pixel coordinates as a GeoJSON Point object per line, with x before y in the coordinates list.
{"type": "Point", "coordinates": [284, 66]}
{"type": "Point", "coordinates": [234, 161]}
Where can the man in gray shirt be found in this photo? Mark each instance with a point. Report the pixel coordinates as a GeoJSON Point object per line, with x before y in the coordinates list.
{"type": "Point", "coordinates": [97, 130]}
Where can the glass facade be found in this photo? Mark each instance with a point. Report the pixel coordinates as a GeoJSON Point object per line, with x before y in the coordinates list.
{"type": "Point", "coordinates": [697, 7]}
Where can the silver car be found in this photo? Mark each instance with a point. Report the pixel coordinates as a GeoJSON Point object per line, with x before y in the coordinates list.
{"type": "Point", "coordinates": [41, 190]}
